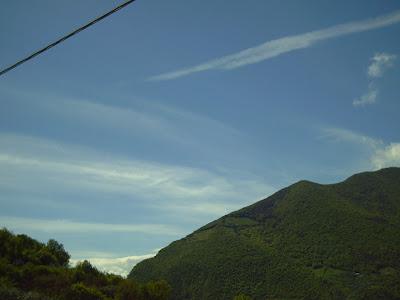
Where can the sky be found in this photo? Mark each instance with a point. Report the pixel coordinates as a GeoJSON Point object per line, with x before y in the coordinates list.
{"type": "Point", "coordinates": [170, 114]}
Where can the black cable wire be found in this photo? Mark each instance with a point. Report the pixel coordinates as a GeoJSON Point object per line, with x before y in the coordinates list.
{"type": "Point", "coordinates": [2, 72]}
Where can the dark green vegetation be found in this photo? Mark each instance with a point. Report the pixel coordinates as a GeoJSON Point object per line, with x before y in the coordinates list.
{"type": "Point", "coordinates": [30, 270]}
{"type": "Point", "coordinates": [307, 241]}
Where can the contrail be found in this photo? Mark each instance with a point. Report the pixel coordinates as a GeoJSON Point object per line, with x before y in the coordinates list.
{"type": "Point", "coordinates": [283, 45]}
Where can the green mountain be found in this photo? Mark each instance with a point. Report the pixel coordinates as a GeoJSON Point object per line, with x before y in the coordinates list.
{"type": "Point", "coordinates": [307, 241]}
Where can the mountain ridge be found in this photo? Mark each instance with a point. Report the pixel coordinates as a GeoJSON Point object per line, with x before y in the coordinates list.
{"type": "Point", "coordinates": [307, 240]}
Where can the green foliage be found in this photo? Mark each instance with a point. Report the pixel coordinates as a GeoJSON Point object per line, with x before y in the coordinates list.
{"type": "Point", "coordinates": [242, 297]}
{"type": "Point", "coordinates": [30, 270]}
{"type": "Point", "coordinates": [8, 292]}
{"type": "Point", "coordinates": [131, 290]}
{"type": "Point", "coordinates": [79, 291]}
{"type": "Point", "coordinates": [21, 249]}
{"type": "Point", "coordinates": [58, 251]}
{"type": "Point", "coordinates": [45, 257]}
{"type": "Point", "coordinates": [307, 241]}
{"type": "Point", "coordinates": [157, 290]}
{"type": "Point", "coordinates": [84, 272]}
{"type": "Point", "coordinates": [44, 279]}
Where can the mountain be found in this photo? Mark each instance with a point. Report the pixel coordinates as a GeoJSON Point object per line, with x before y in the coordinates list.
{"type": "Point", "coordinates": [307, 241]}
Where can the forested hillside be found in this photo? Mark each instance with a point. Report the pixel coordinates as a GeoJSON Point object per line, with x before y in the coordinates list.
{"type": "Point", "coordinates": [307, 241]}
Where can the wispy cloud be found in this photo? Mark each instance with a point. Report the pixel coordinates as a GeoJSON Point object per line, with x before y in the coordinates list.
{"type": "Point", "coordinates": [54, 226]}
{"type": "Point", "coordinates": [283, 45]}
{"type": "Point", "coordinates": [47, 167]}
{"type": "Point", "coordinates": [370, 97]}
{"type": "Point", "coordinates": [349, 136]}
{"type": "Point", "coordinates": [380, 62]}
{"type": "Point", "coordinates": [129, 125]}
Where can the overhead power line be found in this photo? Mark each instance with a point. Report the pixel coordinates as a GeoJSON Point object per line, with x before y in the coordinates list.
{"type": "Point", "coordinates": [2, 72]}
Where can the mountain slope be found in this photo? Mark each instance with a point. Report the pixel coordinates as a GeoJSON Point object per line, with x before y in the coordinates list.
{"type": "Point", "coordinates": [313, 241]}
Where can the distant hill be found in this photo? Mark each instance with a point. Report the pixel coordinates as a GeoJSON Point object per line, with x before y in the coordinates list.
{"type": "Point", "coordinates": [307, 241]}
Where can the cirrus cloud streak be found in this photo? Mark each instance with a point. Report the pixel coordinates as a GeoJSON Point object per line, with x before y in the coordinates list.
{"type": "Point", "coordinates": [273, 48]}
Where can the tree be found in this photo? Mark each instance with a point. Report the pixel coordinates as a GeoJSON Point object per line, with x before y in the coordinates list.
{"type": "Point", "coordinates": [79, 291]}
{"type": "Point", "coordinates": [128, 290]}
{"type": "Point", "coordinates": [5, 242]}
{"type": "Point", "coordinates": [84, 272]}
{"type": "Point", "coordinates": [57, 249]}
{"type": "Point", "coordinates": [45, 257]}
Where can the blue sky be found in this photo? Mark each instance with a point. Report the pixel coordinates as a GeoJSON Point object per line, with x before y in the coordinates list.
{"type": "Point", "coordinates": [169, 114]}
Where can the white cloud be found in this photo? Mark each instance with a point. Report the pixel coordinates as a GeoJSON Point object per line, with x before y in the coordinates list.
{"type": "Point", "coordinates": [118, 265]}
{"type": "Point", "coordinates": [56, 226]}
{"type": "Point", "coordinates": [368, 98]}
{"type": "Point", "coordinates": [283, 45]}
{"type": "Point", "coordinates": [380, 63]}
{"type": "Point", "coordinates": [388, 156]}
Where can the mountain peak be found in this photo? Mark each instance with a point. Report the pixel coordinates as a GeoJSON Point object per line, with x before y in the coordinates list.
{"type": "Point", "coordinates": [308, 241]}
